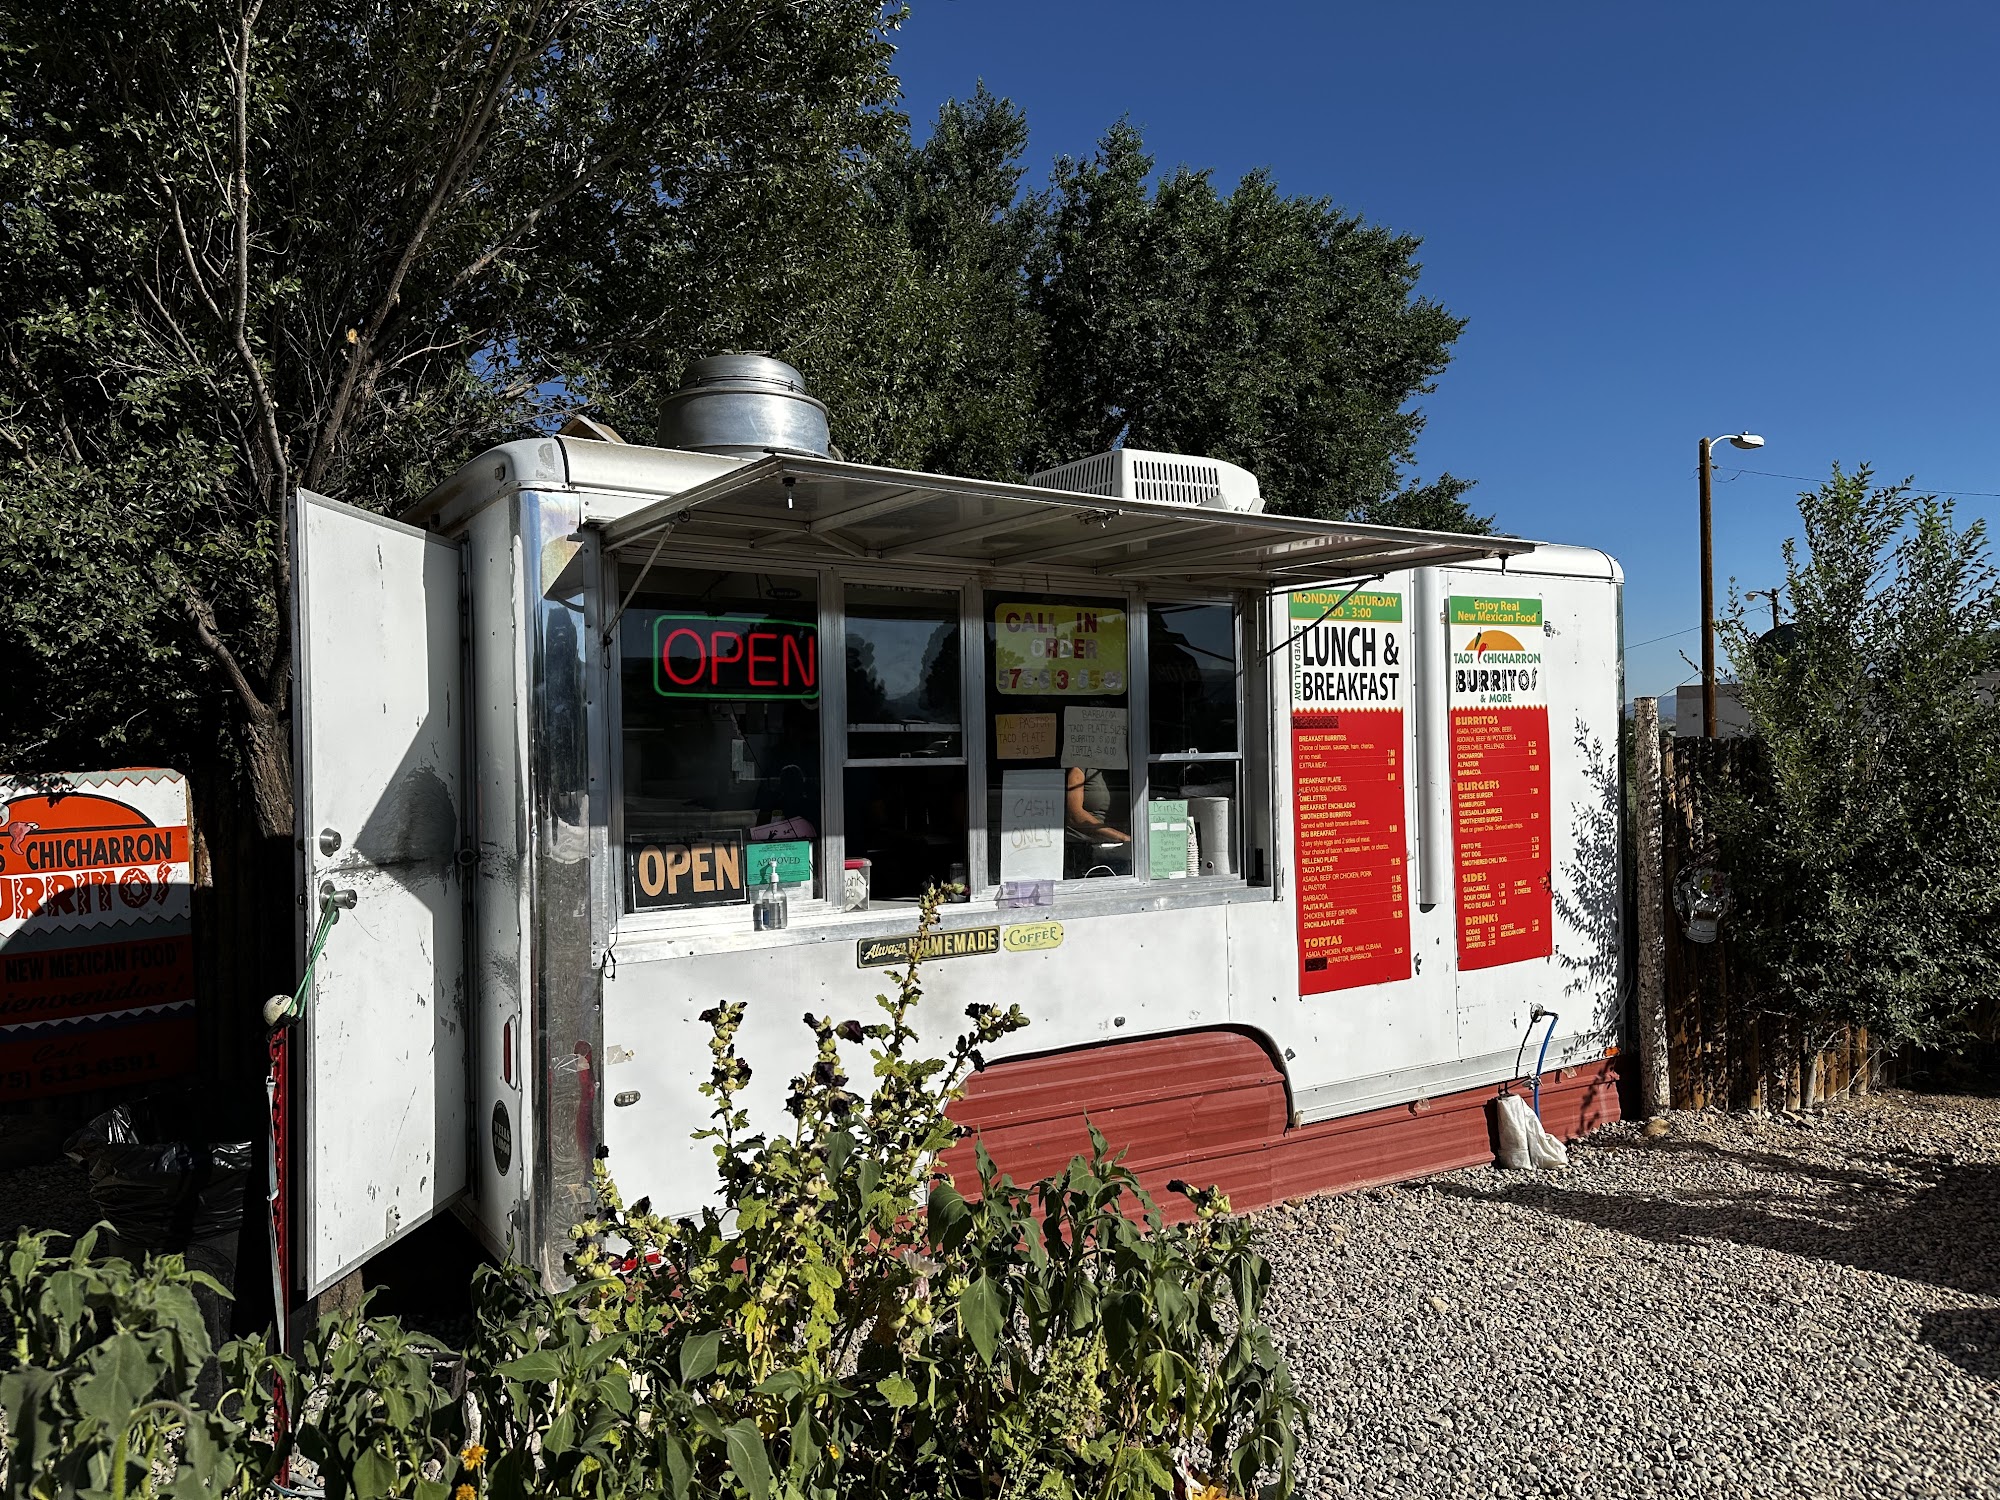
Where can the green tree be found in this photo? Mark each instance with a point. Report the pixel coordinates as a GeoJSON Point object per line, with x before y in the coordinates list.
{"type": "Point", "coordinates": [1863, 840]}
{"type": "Point", "coordinates": [909, 319]}
{"type": "Point", "coordinates": [1277, 332]}
{"type": "Point", "coordinates": [956, 203]}
{"type": "Point", "coordinates": [965, 325]}
{"type": "Point", "coordinates": [249, 246]}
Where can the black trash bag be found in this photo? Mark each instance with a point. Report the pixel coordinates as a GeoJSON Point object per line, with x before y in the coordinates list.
{"type": "Point", "coordinates": [177, 1196]}
{"type": "Point", "coordinates": [159, 1193]}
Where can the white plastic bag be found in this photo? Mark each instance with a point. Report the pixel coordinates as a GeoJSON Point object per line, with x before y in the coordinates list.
{"type": "Point", "coordinates": [1524, 1145]}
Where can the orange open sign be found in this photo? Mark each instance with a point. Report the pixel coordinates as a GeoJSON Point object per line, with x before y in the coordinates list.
{"type": "Point", "coordinates": [699, 870]}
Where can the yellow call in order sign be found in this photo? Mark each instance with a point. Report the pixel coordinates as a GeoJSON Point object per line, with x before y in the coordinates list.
{"type": "Point", "coordinates": [1048, 650]}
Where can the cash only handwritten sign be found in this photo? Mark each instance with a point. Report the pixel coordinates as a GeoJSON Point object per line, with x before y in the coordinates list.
{"type": "Point", "coordinates": [1348, 806]}
{"type": "Point", "coordinates": [96, 948]}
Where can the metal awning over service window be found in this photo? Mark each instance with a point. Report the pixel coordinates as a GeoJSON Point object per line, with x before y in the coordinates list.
{"type": "Point", "coordinates": [788, 508]}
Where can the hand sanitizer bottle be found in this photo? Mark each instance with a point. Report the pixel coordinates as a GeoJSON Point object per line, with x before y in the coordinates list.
{"type": "Point", "coordinates": [768, 911]}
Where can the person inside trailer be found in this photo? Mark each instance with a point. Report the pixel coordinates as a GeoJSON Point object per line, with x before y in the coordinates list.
{"type": "Point", "coordinates": [1094, 843]}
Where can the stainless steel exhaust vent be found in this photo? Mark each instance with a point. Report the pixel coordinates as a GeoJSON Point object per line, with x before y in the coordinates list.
{"type": "Point", "coordinates": [744, 405]}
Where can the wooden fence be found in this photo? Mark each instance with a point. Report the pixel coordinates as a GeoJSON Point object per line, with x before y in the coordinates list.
{"type": "Point", "coordinates": [1723, 1047]}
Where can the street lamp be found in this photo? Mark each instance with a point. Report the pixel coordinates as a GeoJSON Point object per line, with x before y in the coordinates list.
{"type": "Point", "coordinates": [1741, 440]}
{"type": "Point", "coordinates": [1772, 595]}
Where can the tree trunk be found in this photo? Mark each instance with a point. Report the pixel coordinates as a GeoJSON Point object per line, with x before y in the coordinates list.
{"type": "Point", "coordinates": [1790, 1053]}
{"type": "Point", "coordinates": [1753, 1065]}
{"type": "Point", "coordinates": [267, 760]}
{"type": "Point", "coordinates": [1655, 1080]}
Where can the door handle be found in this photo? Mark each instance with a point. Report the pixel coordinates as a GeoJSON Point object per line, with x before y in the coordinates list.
{"type": "Point", "coordinates": [342, 897]}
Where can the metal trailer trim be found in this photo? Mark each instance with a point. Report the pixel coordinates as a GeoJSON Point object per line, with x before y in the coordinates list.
{"type": "Point", "coordinates": [292, 1137]}
{"type": "Point", "coordinates": [769, 492]}
{"type": "Point", "coordinates": [1350, 1096]}
{"type": "Point", "coordinates": [567, 1011]}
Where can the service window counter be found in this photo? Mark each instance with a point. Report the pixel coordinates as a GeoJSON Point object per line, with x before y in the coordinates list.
{"type": "Point", "coordinates": [639, 730]}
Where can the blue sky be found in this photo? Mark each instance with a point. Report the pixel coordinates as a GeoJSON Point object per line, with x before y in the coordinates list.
{"type": "Point", "coordinates": [1661, 220]}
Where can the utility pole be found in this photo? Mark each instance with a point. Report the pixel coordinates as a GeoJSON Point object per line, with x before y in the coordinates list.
{"type": "Point", "coordinates": [1741, 440]}
{"type": "Point", "coordinates": [1707, 598]}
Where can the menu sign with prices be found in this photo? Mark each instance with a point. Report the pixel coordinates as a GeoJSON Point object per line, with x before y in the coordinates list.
{"type": "Point", "coordinates": [96, 949]}
{"type": "Point", "coordinates": [1500, 780]}
{"type": "Point", "coordinates": [1348, 695]}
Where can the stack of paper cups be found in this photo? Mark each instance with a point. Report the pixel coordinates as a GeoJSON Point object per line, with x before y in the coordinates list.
{"type": "Point", "coordinates": [1208, 822]}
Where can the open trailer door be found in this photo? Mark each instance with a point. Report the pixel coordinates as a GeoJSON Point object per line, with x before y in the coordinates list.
{"type": "Point", "coordinates": [380, 1092]}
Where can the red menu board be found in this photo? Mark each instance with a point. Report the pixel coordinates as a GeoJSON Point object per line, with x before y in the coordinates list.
{"type": "Point", "coordinates": [1500, 781]}
{"type": "Point", "coordinates": [1347, 789]}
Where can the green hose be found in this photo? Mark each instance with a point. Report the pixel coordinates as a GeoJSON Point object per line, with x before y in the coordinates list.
{"type": "Point", "coordinates": [281, 1008]}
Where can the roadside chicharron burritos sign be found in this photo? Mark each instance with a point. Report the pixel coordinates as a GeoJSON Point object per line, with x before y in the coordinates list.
{"type": "Point", "coordinates": [96, 948]}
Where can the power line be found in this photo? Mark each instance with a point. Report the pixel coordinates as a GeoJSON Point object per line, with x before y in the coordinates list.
{"type": "Point", "coordinates": [1941, 489]}
{"type": "Point", "coordinates": [1670, 635]}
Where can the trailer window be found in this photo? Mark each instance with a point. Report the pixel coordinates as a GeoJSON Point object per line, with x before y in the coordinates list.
{"type": "Point", "coordinates": [720, 677]}
{"type": "Point", "coordinates": [1194, 771]}
{"type": "Point", "coordinates": [904, 778]}
{"type": "Point", "coordinates": [1058, 737]}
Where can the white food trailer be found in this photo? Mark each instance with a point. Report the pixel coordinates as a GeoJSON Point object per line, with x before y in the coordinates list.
{"type": "Point", "coordinates": [602, 734]}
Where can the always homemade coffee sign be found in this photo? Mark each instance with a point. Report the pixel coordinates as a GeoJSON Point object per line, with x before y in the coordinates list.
{"type": "Point", "coordinates": [958, 942]}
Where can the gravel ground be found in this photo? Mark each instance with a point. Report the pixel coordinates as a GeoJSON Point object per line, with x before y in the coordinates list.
{"type": "Point", "coordinates": [1767, 1306]}
{"type": "Point", "coordinates": [54, 1195]}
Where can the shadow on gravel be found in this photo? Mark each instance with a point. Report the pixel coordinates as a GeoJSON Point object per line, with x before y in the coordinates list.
{"type": "Point", "coordinates": [1941, 1232]}
{"type": "Point", "coordinates": [1967, 1336]}
{"type": "Point", "coordinates": [1891, 1171]}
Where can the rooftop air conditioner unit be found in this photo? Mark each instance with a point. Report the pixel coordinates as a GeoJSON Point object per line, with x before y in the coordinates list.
{"type": "Point", "coordinates": [1175, 478]}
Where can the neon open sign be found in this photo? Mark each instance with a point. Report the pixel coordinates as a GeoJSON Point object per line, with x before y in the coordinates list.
{"type": "Point", "coordinates": [734, 656]}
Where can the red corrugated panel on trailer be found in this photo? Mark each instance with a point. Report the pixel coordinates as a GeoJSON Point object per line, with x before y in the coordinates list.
{"type": "Point", "coordinates": [1210, 1107]}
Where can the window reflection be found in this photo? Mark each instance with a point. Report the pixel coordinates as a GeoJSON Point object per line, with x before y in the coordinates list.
{"type": "Point", "coordinates": [719, 684]}
{"type": "Point", "coordinates": [1192, 651]}
{"type": "Point", "coordinates": [904, 785]}
{"type": "Point", "coordinates": [1194, 790]}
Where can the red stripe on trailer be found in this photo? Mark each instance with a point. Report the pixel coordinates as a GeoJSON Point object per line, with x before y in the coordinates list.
{"type": "Point", "coordinates": [1210, 1107]}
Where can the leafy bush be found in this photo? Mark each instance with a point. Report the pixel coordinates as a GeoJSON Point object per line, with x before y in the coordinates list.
{"type": "Point", "coordinates": [100, 1392]}
{"type": "Point", "coordinates": [1862, 833]}
{"type": "Point", "coordinates": [847, 1324]}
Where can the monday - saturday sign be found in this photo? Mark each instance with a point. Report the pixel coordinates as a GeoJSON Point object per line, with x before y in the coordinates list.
{"type": "Point", "coordinates": [1349, 650]}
